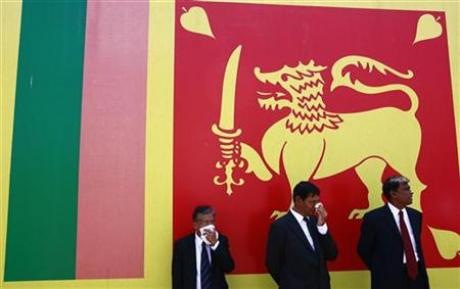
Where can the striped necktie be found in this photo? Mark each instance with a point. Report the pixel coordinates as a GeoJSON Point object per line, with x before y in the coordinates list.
{"type": "Point", "coordinates": [206, 280]}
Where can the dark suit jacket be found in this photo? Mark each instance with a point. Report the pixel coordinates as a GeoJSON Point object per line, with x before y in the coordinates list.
{"type": "Point", "coordinates": [380, 247]}
{"type": "Point", "coordinates": [184, 263]}
{"type": "Point", "coordinates": [291, 261]}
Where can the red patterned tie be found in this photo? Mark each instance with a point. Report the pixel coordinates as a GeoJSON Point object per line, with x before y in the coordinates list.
{"type": "Point", "coordinates": [408, 249]}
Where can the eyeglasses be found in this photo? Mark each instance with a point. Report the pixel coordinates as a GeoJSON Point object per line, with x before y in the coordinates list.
{"type": "Point", "coordinates": [404, 191]}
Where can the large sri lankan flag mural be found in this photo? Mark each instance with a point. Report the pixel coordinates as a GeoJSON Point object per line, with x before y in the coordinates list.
{"type": "Point", "coordinates": [119, 117]}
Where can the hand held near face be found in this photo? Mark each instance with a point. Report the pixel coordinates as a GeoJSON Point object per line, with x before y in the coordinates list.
{"type": "Point", "coordinates": [208, 234]}
{"type": "Point", "coordinates": [321, 212]}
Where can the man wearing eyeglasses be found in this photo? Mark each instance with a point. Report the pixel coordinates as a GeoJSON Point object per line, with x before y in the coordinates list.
{"type": "Point", "coordinates": [390, 243]}
{"type": "Point", "coordinates": [201, 259]}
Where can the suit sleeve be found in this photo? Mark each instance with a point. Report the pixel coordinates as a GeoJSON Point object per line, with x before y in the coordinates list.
{"type": "Point", "coordinates": [177, 267]}
{"type": "Point", "coordinates": [418, 225]}
{"type": "Point", "coordinates": [275, 251]}
{"type": "Point", "coordinates": [366, 241]}
{"type": "Point", "coordinates": [329, 246]}
{"type": "Point", "coordinates": [222, 257]}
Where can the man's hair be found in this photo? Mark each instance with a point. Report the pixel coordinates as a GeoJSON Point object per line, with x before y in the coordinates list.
{"type": "Point", "coordinates": [202, 210]}
{"type": "Point", "coordinates": [392, 184]}
{"type": "Point", "coordinates": [305, 189]}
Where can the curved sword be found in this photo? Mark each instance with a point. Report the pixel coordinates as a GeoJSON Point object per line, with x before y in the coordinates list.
{"type": "Point", "coordinates": [225, 129]}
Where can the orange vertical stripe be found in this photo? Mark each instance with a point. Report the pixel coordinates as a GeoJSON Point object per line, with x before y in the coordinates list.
{"type": "Point", "coordinates": [110, 242]}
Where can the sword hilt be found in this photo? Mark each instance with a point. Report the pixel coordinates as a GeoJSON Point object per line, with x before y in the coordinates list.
{"type": "Point", "coordinates": [230, 152]}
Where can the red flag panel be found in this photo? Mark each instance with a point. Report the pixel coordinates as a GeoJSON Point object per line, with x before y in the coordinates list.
{"type": "Point", "coordinates": [420, 144]}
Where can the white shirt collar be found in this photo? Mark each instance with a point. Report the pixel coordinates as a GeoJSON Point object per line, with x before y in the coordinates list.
{"type": "Point", "coordinates": [198, 239]}
{"type": "Point", "coordinates": [394, 210]}
{"type": "Point", "coordinates": [297, 216]}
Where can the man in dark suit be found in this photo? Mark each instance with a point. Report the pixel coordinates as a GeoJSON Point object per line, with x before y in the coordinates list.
{"type": "Point", "coordinates": [390, 243]}
{"type": "Point", "coordinates": [299, 243]}
{"type": "Point", "coordinates": [201, 259]}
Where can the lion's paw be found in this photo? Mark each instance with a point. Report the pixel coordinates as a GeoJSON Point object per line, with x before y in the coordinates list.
{"type": "Point", "coordinates": [447, 242]}
{"type": "Point", "coordinates": [357, 214]}
{"type": "Point", "coordinates": [277, 214]}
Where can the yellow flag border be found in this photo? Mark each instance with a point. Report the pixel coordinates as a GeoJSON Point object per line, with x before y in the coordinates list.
{"type": "Point", "coordinates": [159, 143]}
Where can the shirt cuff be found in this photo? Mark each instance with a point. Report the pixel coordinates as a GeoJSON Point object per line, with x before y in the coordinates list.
{"type": "Point", "coordinates": [322, 229]}
{"type": "Point", "coordinates": [215, 246]}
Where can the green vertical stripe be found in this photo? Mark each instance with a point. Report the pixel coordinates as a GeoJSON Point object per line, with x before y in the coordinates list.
{"type": "Point", "coordinates": [42, 212]}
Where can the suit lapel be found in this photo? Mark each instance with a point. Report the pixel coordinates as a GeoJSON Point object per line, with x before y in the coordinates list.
{"type": "Point", "coordinates": [192, 251]}
{"type": "Point", "coordinates": [391, 220]}
{"type": "Point", "coordinates": [414, 223]}
{"type": "Point", "coordinates": [297, 230]}
{"type": "Point", "coordinates": [314, 234]}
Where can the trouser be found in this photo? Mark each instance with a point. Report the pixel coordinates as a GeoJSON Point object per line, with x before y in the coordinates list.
{"type": "Point", "coordinates": [420, 281]}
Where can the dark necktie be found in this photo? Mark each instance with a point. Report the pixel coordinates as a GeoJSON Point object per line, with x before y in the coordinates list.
{"type": "Point", "coordinates": [311, 228]}
{"type": "Point", "coordinates": [206, 281]}
{"type": "Point", "coordinates": [411, 263]}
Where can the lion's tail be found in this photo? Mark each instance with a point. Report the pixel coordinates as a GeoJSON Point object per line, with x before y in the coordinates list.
{"type": "Point", "coordinates": [341, 78]}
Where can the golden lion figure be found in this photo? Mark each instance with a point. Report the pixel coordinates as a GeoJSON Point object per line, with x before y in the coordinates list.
{"type": "Point", "coordinates": [314, 143]}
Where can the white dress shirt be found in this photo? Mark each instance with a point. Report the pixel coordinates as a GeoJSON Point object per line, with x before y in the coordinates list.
{"type": "Point", "coordinates": [198, 248]}
{"type": "Point", "coordinates": [395, 213]}
{"type": "Point", "coordinates": [321, 229]}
